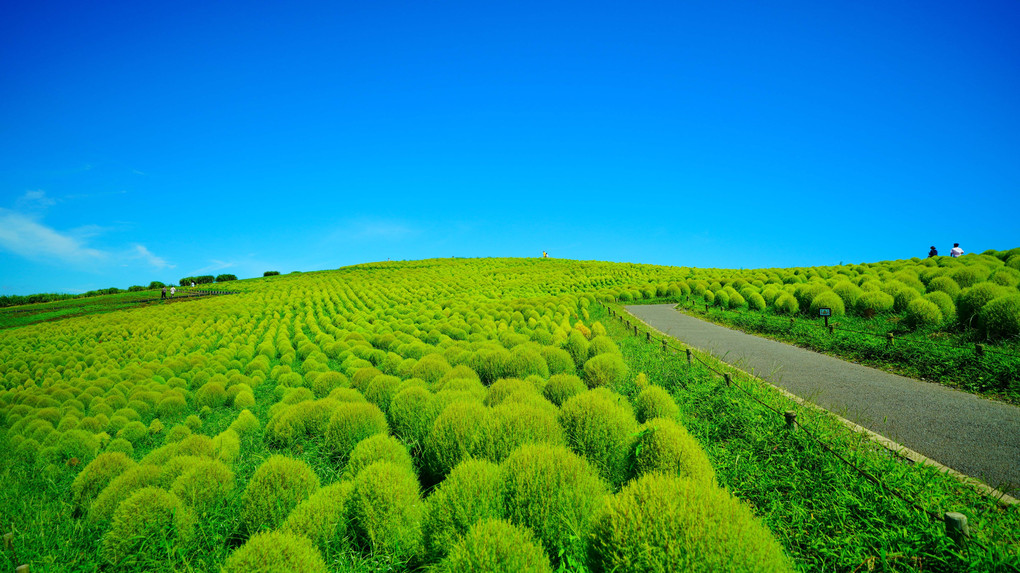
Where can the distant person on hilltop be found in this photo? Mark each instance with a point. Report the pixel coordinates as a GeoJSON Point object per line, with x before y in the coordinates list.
{"type": "Point", "coordinates": [545, 255]}
{"type": "Point", "coordinates": [957, 251]}
{"type": "Point", "coordinates": [933, 252]}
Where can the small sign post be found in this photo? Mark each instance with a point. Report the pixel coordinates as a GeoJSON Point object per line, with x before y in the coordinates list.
{"type": "Point", "coordinates": [825, 313]}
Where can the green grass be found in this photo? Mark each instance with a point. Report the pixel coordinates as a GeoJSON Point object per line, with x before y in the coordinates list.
{"type": "Point", "coordinates": [827, 516]}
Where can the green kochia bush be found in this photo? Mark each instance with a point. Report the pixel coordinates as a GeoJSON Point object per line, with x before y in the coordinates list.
{"type": "Point", "coordinates": [97, 475]}
{"type": "Point", "coordinates": [470, 493]}
{"type": "Point", "coordinates": [873, 302]}
{"type": "Point", "coordinates": [554, 492]}
{"type": "Point", "coordinates": [120, 488]}
{"type": "Point", "coordinates": [1000, 318]}
{"type": "Point", "coordinates": [973, 299]}
{"type": "Point", "coordinates": [560, 387]}
{"type": "Point", "coordinates": [662, 522]}
{"type": "Point", "coordinates": [454, 436]}
{"type": "Point", "coordinates": [144, 525]}
{"type": "Point", "coordinates": [378, 448]}
{"type": "Point", "coordinates": [496, 546]}
{"type": "Point", "coordinates": [599, 425]}
{"type": "Point", "coordinates": [352, 422]}
{"type": "Point", "coordinates": [385, 509]}
{"type": "Point", "coordinates": [827, 299]}
{"type": "Point", "coordinates": [786, 304]}
{"type": "Point", "coordinates": [605, 370]}
{"type": "Point", "coordinates": [205, 485]}
{"type": "Point", "coordinates": [323, 516]}
{"type": "Point", "coordinates": [655, 402]}
{"type": "Point", "coordinates": [272, 551]}
{"type": "Point", "coordinates": [945, 303]}
{"type": "Point", "coordinates": [516, 423]}
{"type": "Point", "coordinates": [922, 312]}
{"type": "Point", "coordinates": [665, 446]}
{"type": "Point", "coordinates": [277, 487]}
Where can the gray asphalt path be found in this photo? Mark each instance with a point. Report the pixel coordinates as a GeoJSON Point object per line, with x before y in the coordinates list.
{"type": "Point", "coordinates": [973, 435]}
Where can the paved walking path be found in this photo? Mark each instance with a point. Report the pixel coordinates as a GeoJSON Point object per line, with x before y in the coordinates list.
{"type": "Point", "coordinates": [973, 435]}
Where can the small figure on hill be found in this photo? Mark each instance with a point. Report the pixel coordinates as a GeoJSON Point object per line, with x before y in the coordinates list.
{"type": "Point", "coordinates": [957, 251]}
{"type": "Point", "coordinates": [172, 291]}
{"type": "Point", "coordinates": [163, 295]}
{"type": "Point", "coordinates": [193, 282]}
{"type": "Point", "coordinates": [933, 252]}
{"type": "Point", "coordinates": [545, 255]}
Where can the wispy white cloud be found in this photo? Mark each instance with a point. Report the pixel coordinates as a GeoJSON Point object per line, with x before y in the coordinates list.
{"type": "Point", "coordinates": [25, 236]}
{"type": "Point", "coordinates": [34, 201]}
{"type": "Point", "coordinates": [215, 266]}
{"type": "Point", "coordinates": [141, 252]}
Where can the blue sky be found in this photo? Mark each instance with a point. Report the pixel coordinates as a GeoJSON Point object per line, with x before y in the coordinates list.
{"type": "Point", "coordinates": [146, 141]}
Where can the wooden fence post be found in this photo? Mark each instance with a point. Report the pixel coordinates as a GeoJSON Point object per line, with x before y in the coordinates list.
{"type": "Point", "coordinates": [726, 377]}
{"type": "Point", "coordinates": [648, 336]}
{"type": "Point", "coordinates": [690, 361]}
{"type": "Point", "coordinates": [832, 329]}
{"type": "Point", "coordinates": [791, 419]}
{"type": "Point", "coordinates": [665, 345]}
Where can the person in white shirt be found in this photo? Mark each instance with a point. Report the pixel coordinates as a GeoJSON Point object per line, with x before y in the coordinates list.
{"type": "Point", "coordinates": [172, 291]}
{"type": "Point", "coordinates": [957, 251]}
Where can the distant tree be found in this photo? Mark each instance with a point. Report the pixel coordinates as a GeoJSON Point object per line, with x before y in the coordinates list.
{"type": "Point", "coordinates": [156, 285]}
{"type": "Point", "coordinates": [111, 290]}
{"type": "Point", "coordinates": [270, 273]}
{"type": "Point", "coordinates": [135, 288]}
{"type": "Point", "coordinates": [224, 278]}
{"type": "Point", "coordinates": [204, 279]}
{"type": "Point", "coordinates": [186, 281]}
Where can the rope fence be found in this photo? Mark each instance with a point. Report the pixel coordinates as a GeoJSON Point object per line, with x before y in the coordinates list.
{"type": "Point", "coordinates": [955, 523]}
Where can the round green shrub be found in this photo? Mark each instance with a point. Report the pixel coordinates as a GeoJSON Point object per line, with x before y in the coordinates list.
{"type": "Point", "coordinates": [121, 445]}
{"type": "Point", "coordinates": [944, 302]}
{"type": "Point", "coordinates": [662, 522]}
{"type": "Point", "coordinates": [526, 361]}
{"type": "Point", "coordinates": [273, 551]}
{"type": "Point", "coordinates": [874, 302]}
{"type": "Point", "coordinates": [602, 345]}
{"type": "Point", "coordinates": [454, 436]}
{"type": "Point", "coordinates": [599, 425]}
{"type": "Point", "coordinates": [212, 394]}
{"type": "Point", "coordinates": [431, 368]}
{"type": "Point", "coordinates": [756, 301]}
{"type": "Point", "coordinates": [1006, 277]}
{"type": "Point", "coordinates": [560, 387]}
{"type": "Point", "coordinates": [665, 446]}
{"type": "Point", "coordinates": [323, 516]}
{"type": "Point", "coordinates": [558, 360]}
{"type": "Point", "coordinates": [605, 370]}
{"type": "Point", "coordinates": [470, 493]}
{"type": "Point", "coordinates": [709, 297]}
{"type": "Point", "coordinates": [176, 434]}
{"type": "Point", "coordinates": [350, 423]}
{"type": "Point", "coordinates": [97, 475]}
{"type": "Point", "coordinates": [144, 525]}
{"type": "Point", "coordinates": [655, 402]}
{"type": "Point", "coordinates": [973, 299]}
{"type": "Point", "coordinates": [226, 446]}
{"type": "Point", "coordinates": [578, 347]}
{"type": "Point", "coordinates": [722, 299]}
{"type": "Point", "coordinates": [378, 448]}
{"type": "Point", "coordinates": [786, 304]}
{"type": "Point", "coordinates": [276, 488]}
{"type": "Point", "coordinates": [903, 298]}
{"type": "Point", "coordinates": [205, 485]}
{"type": "Point", "coordinates": [922, 313]}
{"type": "Point", "coordinates": [554, 492]}
{"type": "Point", "coordinates": [385, 508]}
{"type": "Point", "coordinates": [1000, 318]}
{"type": "Point", "coordinates": [944, 284]}
{"type": "Point", "coordinates": [326, 382]}
{"type": "Point", "coordinates": [244, 399]}
{"type": "Point", "coordinates": [968, 276]}
{"type": "Point", "coordinates": [501, 389]}
{"type": "Point", "coordinates": [133, 431]}
{"type": "Point", "coordinates": [245, 423]}
{"type": "Point", "coordinates": [496, 546]}
{"type": "Point", "coordinates": [827, 299]}
{"type": "Point", "coordinates": [848, 292]}
{"type": "Point", "coordinates": [381, 389]}
{"type": "Point", "coordinates": [411, 414]}
{"type": "Point", "coordinates": [120, 488]}
{"type": "Point", "coordinates": [515, 423]}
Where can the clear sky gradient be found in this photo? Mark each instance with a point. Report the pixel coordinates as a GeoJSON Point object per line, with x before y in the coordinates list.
{"type": "Point", "coordinates": [146, 141]}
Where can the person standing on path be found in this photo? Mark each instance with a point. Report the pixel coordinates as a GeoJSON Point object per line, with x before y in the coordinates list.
{"type": "Point", "coordinates": [957, 251]}
{"type": "Point", "coordinates": [163, 295]}
{"type": "Point", "coordinates": [933, 252]}
{"type": "Point", "coordinates": [172, 291]}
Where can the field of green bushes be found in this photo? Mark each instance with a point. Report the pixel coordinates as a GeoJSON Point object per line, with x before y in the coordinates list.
{"type": "Point", "coordinates": [448, 415]}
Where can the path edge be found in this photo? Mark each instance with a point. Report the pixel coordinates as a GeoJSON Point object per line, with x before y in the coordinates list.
{"type": "Point", "coordinates": [895, 447]}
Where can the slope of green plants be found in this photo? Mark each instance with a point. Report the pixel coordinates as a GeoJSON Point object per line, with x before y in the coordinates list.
{"type": "Point", "coordinates": [311, 419]}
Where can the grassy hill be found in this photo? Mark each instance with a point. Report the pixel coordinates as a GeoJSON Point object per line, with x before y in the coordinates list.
{"type": "Point", "coordinates": [455, 414]}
